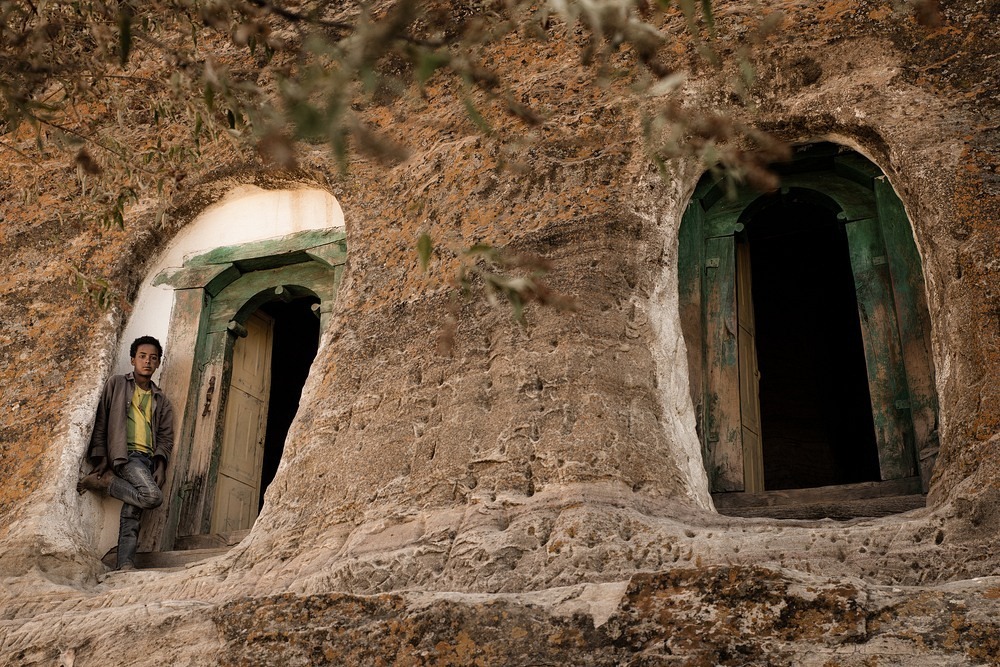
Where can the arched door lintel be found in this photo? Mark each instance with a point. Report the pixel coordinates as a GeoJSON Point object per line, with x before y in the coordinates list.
{"type": "Point", "coordinates": [282, 292]}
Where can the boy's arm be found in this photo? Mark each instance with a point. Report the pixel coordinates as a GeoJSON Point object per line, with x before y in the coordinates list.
{"type": "Point", "coordinates": [164, 432]}
{"type": "Point", "coordinates": [98, 453]}
{"type": "Point", "coordinates": [164, 442]}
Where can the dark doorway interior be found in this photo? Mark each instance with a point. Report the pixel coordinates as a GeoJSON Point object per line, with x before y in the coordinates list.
{"type": "Point", "coordinates": [816, 419]}
{"type": "Point", "coordinates": [296, 340]}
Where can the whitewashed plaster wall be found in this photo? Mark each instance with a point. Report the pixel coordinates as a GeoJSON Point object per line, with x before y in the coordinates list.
{"type": "Point", "coordinates": [245, 214]}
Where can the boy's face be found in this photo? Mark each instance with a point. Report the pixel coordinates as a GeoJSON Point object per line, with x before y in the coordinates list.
{"type": "Point", "coordinates": [146, 360]}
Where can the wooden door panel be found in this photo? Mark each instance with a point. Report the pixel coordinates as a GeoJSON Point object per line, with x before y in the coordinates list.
{"type": "Point", "coordinates": [722, 384]}
{"type": "Point", "coordinates": [753, 454]}
{"type": "Point", "coordinates": [236, 507]}
{"type": "Point", "coordinates": [914, 322]}
{"type": "Point", "coordinates": [753, 461]}
{"type": "Point", "coordinates": [243, 436]}
{"type": "Point", "coordinates": [690, 269]}
{"type": "Point", "coordinates": [242, 449]}
{"type": "Point", "coordinates": [886, 377]}
{"type": "Point", "coordinates": [252, 360]}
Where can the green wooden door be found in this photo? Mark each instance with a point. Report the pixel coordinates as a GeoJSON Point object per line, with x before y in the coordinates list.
{"type": "Point", "coordinates": [914, 323]}
{"type": "Point", "coordinates": [722, 428]}
{"type": "Point", "coordinates": [892, 306]}
{"type": "Point", "coordinates": [883, 356]}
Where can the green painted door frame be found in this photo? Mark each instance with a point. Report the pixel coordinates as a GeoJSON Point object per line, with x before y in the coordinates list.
{"type": "Point", "coordinates": [892, 306]}
{"type": "Point", "coordinates": [214, 295]}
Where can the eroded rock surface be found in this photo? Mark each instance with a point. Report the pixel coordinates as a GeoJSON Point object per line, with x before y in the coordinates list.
{"type": "Point", "coordinates": [534, 495]}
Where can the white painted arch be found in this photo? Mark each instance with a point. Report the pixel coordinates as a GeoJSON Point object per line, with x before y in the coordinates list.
{"type": "Point", "coordinates": [245, 214]}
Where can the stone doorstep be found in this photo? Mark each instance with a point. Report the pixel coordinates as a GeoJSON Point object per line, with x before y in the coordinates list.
{"type": "Point", "coordinates": [840, 510]}
{"type": "Point", "coordinates": [189, 550]}
{"type": "Point", "coordinates": [842, 501]}
{"type": "Point", "coordinates": [211, 541]}
{"type": "Point", "coordinates": [156, 560]}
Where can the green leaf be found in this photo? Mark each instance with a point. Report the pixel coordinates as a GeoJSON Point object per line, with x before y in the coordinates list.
{"type": "Point", "coordinates": [706, 12]}
{"type": "Point", "coordinates": [747, 72]}
{"type": "Point", "coordinates": [424, 248]}
{"type": "Point", "coordinates": [430, 62]}
{"type": "Point", "coordinates": [517, 305]}
{"type": "Point", "coordinates": [476, 117]}
{"type": "Point", "coordinates": [338, 143]}
{"type": "Point", "coordinates": [479, 249]}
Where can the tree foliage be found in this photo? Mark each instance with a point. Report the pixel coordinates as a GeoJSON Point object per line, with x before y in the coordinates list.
{"type": "Point", "coordinates": [266, 78]}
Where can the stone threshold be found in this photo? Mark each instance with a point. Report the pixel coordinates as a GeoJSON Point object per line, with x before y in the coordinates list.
{"type": "Point", "coordinates": [188, 550]}
{"type": "Point", "coordinates": [841, 502]}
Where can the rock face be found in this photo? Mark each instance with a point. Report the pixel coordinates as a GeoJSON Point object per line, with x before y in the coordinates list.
{"type": "Point", "coordinates": [533, 494]}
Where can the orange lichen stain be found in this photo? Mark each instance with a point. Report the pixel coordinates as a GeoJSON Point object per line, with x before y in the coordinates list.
{"type": "Point", "coordinates": [838, 10]}
{"type": "Point", "coordinates": [992, 593]}
{"type": "Point", "coordinates": [880, 13]}
{"type": "Point", "coordinates": [465, 649]}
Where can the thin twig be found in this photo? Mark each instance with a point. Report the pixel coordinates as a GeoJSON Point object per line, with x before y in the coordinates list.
{"type": "Point", "coordinates": [91, 140]}
{"type": "Point", "coordinates": [295, 17]}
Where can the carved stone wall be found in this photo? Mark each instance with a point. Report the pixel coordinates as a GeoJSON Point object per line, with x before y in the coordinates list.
{"type": "Point", "coordinates": [544, 480]}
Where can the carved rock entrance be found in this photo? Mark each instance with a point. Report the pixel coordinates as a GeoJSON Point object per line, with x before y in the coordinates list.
{"type": "Point", "coordinates": [842, 202]}
{"type": "Point", "coordinates": [229, 305]}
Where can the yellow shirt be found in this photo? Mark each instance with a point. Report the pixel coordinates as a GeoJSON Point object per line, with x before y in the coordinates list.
{"type": "Point", "coordinates": [140, 422]}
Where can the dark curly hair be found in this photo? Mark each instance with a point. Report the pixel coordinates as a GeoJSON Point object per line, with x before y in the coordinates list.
{"type": "Point", "coordinates": [145, 340]}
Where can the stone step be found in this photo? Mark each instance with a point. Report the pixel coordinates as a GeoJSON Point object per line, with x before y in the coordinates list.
{"type": "Point", "coordinates": [840, 510]}
{"type": "Point", "coordinates": [156, 560]}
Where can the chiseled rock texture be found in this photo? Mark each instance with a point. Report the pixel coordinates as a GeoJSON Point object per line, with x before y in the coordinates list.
{"type": "Point", "coordinates": [534, 495]}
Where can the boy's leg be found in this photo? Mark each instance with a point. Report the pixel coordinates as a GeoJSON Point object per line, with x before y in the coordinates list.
{"type": "Point", "coordinates": [136, 489]}
{"type": "Point", "coordinates": [134, 484]}
{"type": "Point", "coordinates": [128, 536]}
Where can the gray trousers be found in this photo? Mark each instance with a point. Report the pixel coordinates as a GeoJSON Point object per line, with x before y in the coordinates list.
{"type": "Point", "coordinates": [134, 486]}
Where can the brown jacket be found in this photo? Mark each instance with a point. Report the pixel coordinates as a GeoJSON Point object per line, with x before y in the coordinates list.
{"type": "Point", "coordinates": [111, 424]}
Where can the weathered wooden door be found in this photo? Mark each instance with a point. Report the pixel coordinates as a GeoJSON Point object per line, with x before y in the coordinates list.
{"type": "Point", "coordinates": [716, 315]}
{"type": "Point", "coordinates": [753, 453]}
{"type": "Point", "coordinates": [723, 425]}
{"type": "Point", "coordinates": [238, 484]}
{"type": "Point", "coordinates": [887, 382]}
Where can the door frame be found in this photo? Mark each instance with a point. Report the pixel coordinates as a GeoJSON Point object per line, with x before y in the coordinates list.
{"type": "Point", "coordinates": [863, 199]}
{"type": "Point", "coordinates": [214, 294]}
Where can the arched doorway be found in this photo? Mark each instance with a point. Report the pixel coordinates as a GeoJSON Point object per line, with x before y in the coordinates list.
{"type": "Point", "coordinates": [296, 341]}
{"type": "Point", "coordinates": [807, 331]}
{"type": "Point", "coordinates": [252, 314]}
{"type": "Point", "coordinates": [815, 406]}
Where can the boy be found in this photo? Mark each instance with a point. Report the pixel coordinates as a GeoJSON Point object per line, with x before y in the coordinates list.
{"type": "Point", "coordinates": [131, 444]}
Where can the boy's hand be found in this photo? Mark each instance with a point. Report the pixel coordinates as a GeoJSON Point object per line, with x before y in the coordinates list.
{"type": "Point", "coordinates": [160, 473]}
{"type": "Point", "coordinates": [101, 467]}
